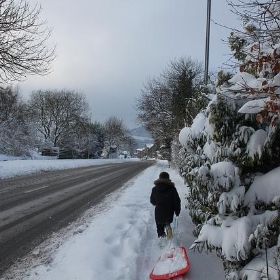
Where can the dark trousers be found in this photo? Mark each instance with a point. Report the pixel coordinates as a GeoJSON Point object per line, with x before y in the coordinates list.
{"type": "Point", "coordinates": [160, 229]}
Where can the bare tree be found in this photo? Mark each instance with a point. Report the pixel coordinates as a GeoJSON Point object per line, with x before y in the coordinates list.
{"type": "Point", "coordinates": [23, 41]}
{"type": "Point", "coordinates": [154, 108]}
{"type": "Point", "coordinates": [115, 134]}
{"type": "Point", "coordinates": [56, 113]}
{"type": "Point", "coordinates": [85, 140]}
{"type": "Point", "coordinates": [169, 102]}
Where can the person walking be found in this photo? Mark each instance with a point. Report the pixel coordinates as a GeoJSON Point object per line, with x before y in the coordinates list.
{"type": "Point", "coordinates": [165, 198]}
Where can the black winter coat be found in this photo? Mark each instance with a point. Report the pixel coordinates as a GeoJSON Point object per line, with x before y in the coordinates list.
{"type": "Point", "coordinates": [166, 200]}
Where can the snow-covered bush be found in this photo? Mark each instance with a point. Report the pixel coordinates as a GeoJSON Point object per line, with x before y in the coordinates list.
{"type": "Point", "coordinates": [232, 166]}
{"type": "Point", "coordinates": [17, 139]}
{"type": "Point", "coordinates": [230, 213]}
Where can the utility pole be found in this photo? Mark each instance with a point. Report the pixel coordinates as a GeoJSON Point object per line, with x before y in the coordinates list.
{"type": "Point", "coordinates": [207, 42]}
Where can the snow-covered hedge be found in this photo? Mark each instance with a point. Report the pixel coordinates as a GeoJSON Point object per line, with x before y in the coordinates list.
{"type": "Point", "coordinates": [233, 208]}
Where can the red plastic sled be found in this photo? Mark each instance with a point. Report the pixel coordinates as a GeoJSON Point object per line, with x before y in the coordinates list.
{"type": "Point", "coordinates": [171, 263]}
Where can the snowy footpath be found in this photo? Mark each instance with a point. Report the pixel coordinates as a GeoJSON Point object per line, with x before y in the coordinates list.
{"type": "Point", "coordinates": [115, 240]}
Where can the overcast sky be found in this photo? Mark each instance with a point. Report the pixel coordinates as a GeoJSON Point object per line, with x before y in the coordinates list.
{"type": "Point", "coordinates": [107, 49]}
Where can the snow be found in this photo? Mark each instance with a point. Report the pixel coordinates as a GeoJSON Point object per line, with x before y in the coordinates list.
{"type": "Point", "coordinates": [224, 174]}
{"type": "Point", "coordinates": [253, 106]}
{"type": "Point", "coordinates": [258, 267]}
{"type": "Point", "coordinates": [209, 149]}
{"type": "Point", "coordinates": [171, 260]}
{"type": "Point", "coordinates": [188, 133]}
{"type": "Point", "coordinates": [256, 143]}
{"type": "Point", "coordinates": [232, 237]}
{"type": "Point", "coordinates": [265, 188]}
{"type": "Point", "coordinates": [114, 240]}
{"type": "Point", "coordinates": [231, 199]}
{"type": "Point", "coordinates": [11, 168]}
{"type": "Point", "coordinates": [242, 80]}
{"type": "Point", "coordinates": [185, 136]}
{"type": "Point", "coordinates": [235, 236]}
{"type": "Point", "coordinates": [198, 124]}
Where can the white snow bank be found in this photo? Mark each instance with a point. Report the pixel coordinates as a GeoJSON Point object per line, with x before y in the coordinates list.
{"type": "Point", "coordinates": [225, 175]}
{"type": "Point", "coordinates": [233, 236]}
{"type": "Point", "coordinates": [257, 268]}
{"type": "Point", "coordinates": [256, 143]}
{"type": "Point", "coordinates": [185, 136]}
{"type": "Point", "coordinates": [13, 168]}
{"type": "Point", "coordinates": [189, 133]}
{"type": "Point", "coordinates": [210, 149]}
{"type": "Point", "coordinates": [198, 124]}
{"type": "Point", "coordinates": [231, 200]}
{"type": "Point", "coordinates": [253, 106]}
{"type": "Point", "coordinates": [241, 77]}
{"type": "Point", "coordinates": [243, 80]}
{"type": "Point", "coordinates": [265, 188]}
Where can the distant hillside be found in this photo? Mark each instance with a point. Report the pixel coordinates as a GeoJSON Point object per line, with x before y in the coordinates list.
{"type": "Point", "coordinates": [141, 136]}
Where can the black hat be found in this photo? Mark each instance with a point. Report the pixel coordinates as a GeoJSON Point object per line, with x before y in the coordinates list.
{"type": "Point", "coordinates": [164, 175]}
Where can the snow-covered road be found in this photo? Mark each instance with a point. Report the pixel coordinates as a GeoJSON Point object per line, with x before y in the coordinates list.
{"type": "Point", "coordinates": [115, 240]}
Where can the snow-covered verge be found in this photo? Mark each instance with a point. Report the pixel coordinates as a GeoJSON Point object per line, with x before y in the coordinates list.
{"type": "Point", "coordinates": [115, 240]}
{"type": "Point", "coordinates": [11, 168]}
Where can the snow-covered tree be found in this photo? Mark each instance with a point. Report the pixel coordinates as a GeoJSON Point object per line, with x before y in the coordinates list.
{"type": "Point", "coordinates": [170, 101]}
{"type": "Point", "coordinates": [57, 113]}
{"type": "Point", "coordinates": [17, 135]}
{"type": "Point", "coordinates": [232, 158]}
{"type": "Point", "coordinates": [115, 135]}
{"type": "Point", "coordinates": [85, 141]}
{"type": "Point", "coordinates": [258, 52]}
{"type": "Point", "coordinates": [222, 156]}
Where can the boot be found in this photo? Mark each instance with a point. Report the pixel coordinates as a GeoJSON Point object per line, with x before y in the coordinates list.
{"type": "Point", "coordinates": [168, 231]}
